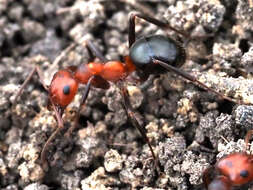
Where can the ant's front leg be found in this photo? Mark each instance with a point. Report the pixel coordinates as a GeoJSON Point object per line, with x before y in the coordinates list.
{"type": "Point", "coordinates": [58, 114]}
{"type": "Point", "coordinates": [27, 80]}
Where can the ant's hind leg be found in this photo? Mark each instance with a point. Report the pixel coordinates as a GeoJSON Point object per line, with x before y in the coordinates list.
{"type": "Point", "coordinates": [194, 80]}
{"type": "Point", "coordinates": [163, 25]}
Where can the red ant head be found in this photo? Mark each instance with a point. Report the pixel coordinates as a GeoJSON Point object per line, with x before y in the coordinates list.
{"type": "Point", "coordinates": [232, 170]}
{"type": "Point", "coordinates": [63, 88]}
{"type": "Point", "coordinates": [238, 167]}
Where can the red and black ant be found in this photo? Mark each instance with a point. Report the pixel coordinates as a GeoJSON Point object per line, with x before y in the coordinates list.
{"type": "Point", "coordinates": [154, 54]}
{"type": "Point", "coordinates": [232, 170]}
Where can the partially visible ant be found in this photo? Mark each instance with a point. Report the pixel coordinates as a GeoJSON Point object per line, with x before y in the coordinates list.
{"type": "Point", "coordinates": [154, 54]}
{"type": "Point", "coordinates": [250, 3]}
{"type": "Point", "coordinates": [235, 169]}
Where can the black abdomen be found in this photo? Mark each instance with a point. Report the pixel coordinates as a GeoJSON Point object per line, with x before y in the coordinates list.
{"type": "Point", "coordinates": [157, 47]}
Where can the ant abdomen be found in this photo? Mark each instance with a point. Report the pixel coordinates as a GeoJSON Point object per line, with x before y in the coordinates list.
{"type": "Point", "coordinates": [159, 47]}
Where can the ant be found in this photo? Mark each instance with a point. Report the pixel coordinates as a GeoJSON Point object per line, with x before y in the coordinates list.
{"type": "Point", "coordinates": [232, 170]}
{"type": "Point", "coordinates": [154, 54]}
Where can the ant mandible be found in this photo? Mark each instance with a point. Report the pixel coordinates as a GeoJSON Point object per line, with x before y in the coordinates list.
{"type": "Point", "coordinates": [154, 54]}
{"type": "Point", "coordinates": [232, 170]}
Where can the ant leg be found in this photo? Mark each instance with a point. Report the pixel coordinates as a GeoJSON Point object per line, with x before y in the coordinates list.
{"type": "Point", "coordinates": [140, 7]}
{"type": "Point", "coordinates": [34, 70]}
{"type": "Point", "coordinates": [24, 85]}
{"type": "Point", "coordinates": [98, 54]}
{"type": "Point", "coordinates": [163, 25]}
{"type": "Point", "coordinates": [53, 135]}
{"type": "Point", "coordinates": [63, 54]}
{"type": "Point", "coordinates": [84, 97]}
{"type": "Point", "coordinates": [130, 113]}
{"type": "Point", "coordinates": [58, 115]}
{"type": "Point", "coordinates": [96, 51]}
{"type": "Point", "coordinates": [147, 83]}
{"type": "Point", "coordinates": [247, 138]}
{"type": "Point", "coordinates": [193, 80]}
{"type": "Point", "coordinates": [250, 3]}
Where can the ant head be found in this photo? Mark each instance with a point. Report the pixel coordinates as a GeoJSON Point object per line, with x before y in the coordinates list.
{"type": "Point", "coordinates": [63, 88]}
{"type": "Point", "coordinates": [238, 167]}
{"type": "Point", "coordinates": [159, 47]}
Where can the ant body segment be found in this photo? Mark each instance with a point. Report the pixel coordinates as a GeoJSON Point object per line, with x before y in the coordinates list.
{"type": "Point", "coordinates": [154, 54]}
{"type": "Point", "coordinates": [232, 170]}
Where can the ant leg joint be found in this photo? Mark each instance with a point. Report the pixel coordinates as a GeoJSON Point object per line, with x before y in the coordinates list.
{"type": "Point", "coordinates": [133, 14]}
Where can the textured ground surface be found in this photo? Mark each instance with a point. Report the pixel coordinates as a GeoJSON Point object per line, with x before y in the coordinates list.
{"type": "Point", "coordinates": [189, 128]}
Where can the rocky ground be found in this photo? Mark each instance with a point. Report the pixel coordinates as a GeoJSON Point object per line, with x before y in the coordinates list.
{"type": "Point", "coordinates": [189, 128]}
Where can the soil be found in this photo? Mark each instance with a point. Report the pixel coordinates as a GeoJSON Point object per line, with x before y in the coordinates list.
{"type": "Point", "coordinates": [189, 128]}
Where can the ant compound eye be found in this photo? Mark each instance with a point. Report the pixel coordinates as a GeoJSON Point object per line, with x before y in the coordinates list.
{"type": "Point", "coordinates": [66, 90]}
{"type": "Point", "coordinates": [244, 173]}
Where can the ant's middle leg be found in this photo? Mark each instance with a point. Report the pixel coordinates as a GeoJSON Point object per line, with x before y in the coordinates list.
{"type": "Point", "coordinates": [247, 138]}
{"type": "Point", "coordinates": [130, 113]}
{"type": "Point", "coordinates": [96, 52]}
{"type": "Point", "coordinates": [163, 25]}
